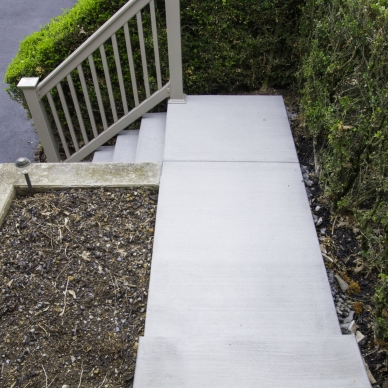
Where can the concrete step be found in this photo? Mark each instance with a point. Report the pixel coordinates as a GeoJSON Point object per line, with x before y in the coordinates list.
{"type": "Point", "coordinates": [150, 146]}
{"type": "Point", "coordinates": [236, 253]}
{"type": "Point", "coordinates": [103, 154]}
{"type": "Point", "coordinates": [229, 128]}
{"type": "Point", "coordinates": [125, 148]}
{"type": "Point", "coordinates": [277, 362]}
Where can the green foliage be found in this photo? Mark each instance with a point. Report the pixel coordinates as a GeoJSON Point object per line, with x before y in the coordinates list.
{"type": "Point", "coordinates": [381, 304]}
{"type": "Point", "coordinates": [230, 46]}
{"type": "Point", "coordinates": [343, 82]}
{"type": "Point", "coordinates": [226, 47]}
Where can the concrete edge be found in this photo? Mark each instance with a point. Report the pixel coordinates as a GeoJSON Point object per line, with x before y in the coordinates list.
{"type": "Point", "coordinates": [59, 176]}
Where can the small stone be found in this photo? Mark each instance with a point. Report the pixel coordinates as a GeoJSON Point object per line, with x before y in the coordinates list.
{"type": "Point", "coordinates": [65, 386]}
{"type": "Point", "coordinates": [349, 317]}
{"type": "Point", "coordinates": [117, 329]}
{"type": "Point", "coordinates": [344, 286]}
{"type": "Point", "coordinates": [352, 327]}
{"type": "Point", "coordinates": [72, 359]}
{"type": "Point", "coordinates": [318, 208]}
{"type": "Point", "coordinates": [119, 259]}
{"type": "Point", "coordinates": [319, 222]}
{"type": "Point", "coordinates": [361, 339]}
{"type": "Point", "coordinates": [369, 373]}
{"type": "Point", "coordinates": [308, 182]}
{"type": "Point", "coordinates": [323, 231]}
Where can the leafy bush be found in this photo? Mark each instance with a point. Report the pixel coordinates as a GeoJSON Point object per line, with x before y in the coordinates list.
{"type": "Point", "coordinates": [381, 303]}
{"type": "Point", "coordinates": [227, 45]}
{"type": "Point", "coordinates": [230, 46]}
{"type": "Point", "coordinates": [343, 82]}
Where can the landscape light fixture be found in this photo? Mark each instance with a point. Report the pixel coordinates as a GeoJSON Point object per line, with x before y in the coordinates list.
{"type": "Point", "coordinates": [24, 163]}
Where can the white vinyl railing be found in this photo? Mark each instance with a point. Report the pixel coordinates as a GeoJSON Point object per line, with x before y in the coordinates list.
{"type": "Point", "coordinates": [66, 107]}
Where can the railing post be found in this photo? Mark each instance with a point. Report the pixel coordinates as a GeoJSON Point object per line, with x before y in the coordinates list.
{"type": "Point", "coordinates": [173, 18]}
{"type": "Point", "coordinates": [39, 115]}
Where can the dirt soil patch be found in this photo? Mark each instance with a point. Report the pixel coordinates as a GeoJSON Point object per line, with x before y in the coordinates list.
{"type": "Point", "coordinates": [75, 269]}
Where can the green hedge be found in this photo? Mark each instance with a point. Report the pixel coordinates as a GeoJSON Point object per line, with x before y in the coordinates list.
{"type": "Point", "coordinates": [344, 87]}
{"type": "Point", "coordinates": [227, 45]}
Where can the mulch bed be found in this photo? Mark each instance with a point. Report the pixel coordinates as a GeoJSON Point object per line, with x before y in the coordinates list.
{"type": "Point", "coordinates": [75, 269]}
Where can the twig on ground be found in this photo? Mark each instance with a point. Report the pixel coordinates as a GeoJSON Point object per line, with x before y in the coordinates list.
{"type": "Point", "coordinates": [65, 292]}
{"type": "Point", "coordinates": [103, 381]}
{"type": "Point", "coordinates": [327, 257]}
{"type": "Point", "coordinates": [80, 378]}
{"type": "Point", "coordinates": [45, 374]}
{"type": "Point", "coordinates": [43, 329]}
{"type": "Point", "coordinates": [332, 229]}
{"type": "Point", "coordinates": [52, 381]}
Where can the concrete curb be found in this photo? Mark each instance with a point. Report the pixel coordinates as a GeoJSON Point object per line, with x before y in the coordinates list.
{"type": "Point", "coordinates": [57, 176]}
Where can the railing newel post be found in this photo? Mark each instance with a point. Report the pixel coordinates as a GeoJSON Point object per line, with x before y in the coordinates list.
{"type": "Point", "coordinates": [173, 18]}
{"type": "Point", "coordinates": [39, 115]}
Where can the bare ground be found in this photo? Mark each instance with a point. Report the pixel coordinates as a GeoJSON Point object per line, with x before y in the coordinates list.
{"type": "Point", "coordinates": [74, 278]}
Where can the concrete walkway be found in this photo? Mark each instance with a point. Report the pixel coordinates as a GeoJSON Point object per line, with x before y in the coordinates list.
{"type": "Point", "coordinates": [239, 295]}
{"type": "Point", "coordinates": [19, 18]}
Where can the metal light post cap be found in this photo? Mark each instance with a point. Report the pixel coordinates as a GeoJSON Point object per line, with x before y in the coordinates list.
{"type": "Point", "coordinates": [22, 162]}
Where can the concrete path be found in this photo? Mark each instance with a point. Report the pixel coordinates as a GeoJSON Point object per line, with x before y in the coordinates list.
{"type": "Point", "coordinates": [19, 18]}
{"type": "Point", "coordinates": [239, 295]}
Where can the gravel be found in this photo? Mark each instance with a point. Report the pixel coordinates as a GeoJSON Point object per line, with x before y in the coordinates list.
{"type": "Point", "coordinates": [74, 278]}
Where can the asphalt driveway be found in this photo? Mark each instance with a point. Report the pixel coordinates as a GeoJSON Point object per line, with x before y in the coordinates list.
{"type": "Point", "coordinates": [19, 18]}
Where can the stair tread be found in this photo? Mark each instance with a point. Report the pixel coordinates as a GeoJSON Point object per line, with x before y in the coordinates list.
{"type": "Point", "coordinates": [103, 154]}
{"type": "Point", "coordinates": [229, 128]}
{"type": "Point", "coordinates": [311, 362]}
{"type": "Point", "coordinates": [150, 146]}
{"type": "Point", "coordinates": [234, 254]}
{"type": "Point", "coordinates": [126, 144]}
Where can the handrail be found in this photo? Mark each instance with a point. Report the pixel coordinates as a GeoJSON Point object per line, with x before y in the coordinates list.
{"type": "Point", "coordinates": [76, 141]}
{"type": "Point", "coordinates": [117, 21]}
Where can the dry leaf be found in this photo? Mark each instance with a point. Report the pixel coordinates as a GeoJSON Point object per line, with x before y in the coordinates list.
{"type": "Point", "coordinates": [85, 255]}
{"type": "Point", "coordinates": [72, 293]}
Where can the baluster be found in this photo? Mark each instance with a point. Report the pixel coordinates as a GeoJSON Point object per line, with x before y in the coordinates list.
{"type": "Point", "coordinates": [98, 92]}
{"type": "Point", "coordinates": [143, 54]}
{"type": "Point", "coordinates": [119, 73]}
{"type": "Point", "coordinates": [156, 44]}
{"type": "Point", "coordinates": [77, 109]}
{"type": "Point", "coordinates": [131, 64]}
{"type": "Point", "coordinates": [58, 124]}
{"type": "Point", "coordinates": [108, 83]}
{"type": "Point", "coordinates": [87, 99]}
{"type": "Point", "coordinates": [67, 115]}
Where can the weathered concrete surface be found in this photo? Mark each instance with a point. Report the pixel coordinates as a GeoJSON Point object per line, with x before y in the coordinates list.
{"type": "Point", "coordinates": [229, 128]}
{"type": "Point", "coordinates": [236, 253]}
{"type": "Point", "coordinates": [150, 146]}
{"type": "Point", "coordinates": [277, 362]}
{"type": "Point", "coordinates": [239, 295]}
{"type": "Point", "coordinates": [62, 175]}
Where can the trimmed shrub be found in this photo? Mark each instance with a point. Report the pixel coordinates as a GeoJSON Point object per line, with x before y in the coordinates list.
{"type": "Point", "coordinates": [227, 45]}
{"type": "Point", "coordinates": [343, 82]}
